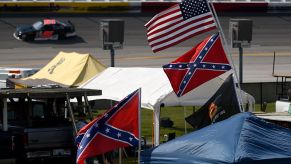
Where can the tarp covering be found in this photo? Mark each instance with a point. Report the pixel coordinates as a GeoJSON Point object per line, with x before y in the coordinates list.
{"type": "Point", "coordinates": [65, 69]}
{"type": "Point", "coordinates": [243, 138]}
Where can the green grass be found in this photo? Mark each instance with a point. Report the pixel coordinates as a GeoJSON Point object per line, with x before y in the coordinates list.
{"type": "Point", "coordinates": [270, 107]}
{"type": "Point", "coordinates": [176, 114]}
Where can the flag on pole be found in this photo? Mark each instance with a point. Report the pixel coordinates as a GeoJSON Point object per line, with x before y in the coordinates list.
{"type": "Point", "coordinates": [202, 63]}
{"type": "Point", "coordinates": [179, 23]}
{"type": "Point", "coordinates": [118, 127]}
{"type": "Point", "coordinates": [223, 104]}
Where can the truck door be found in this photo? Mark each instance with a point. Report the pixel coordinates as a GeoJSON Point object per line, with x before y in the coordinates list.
{"type": "Point", "coordinates": [6, 145]}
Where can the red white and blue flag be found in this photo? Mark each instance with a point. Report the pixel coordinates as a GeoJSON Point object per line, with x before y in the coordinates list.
{"type": "Point", "coordinates": [179, 23]}
{"type": "Point", "coordinates": [202, 63]}
{"type": "Point", "coordinates": [118, 127]}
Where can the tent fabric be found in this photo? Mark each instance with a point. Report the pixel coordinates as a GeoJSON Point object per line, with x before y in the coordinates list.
{"type": "Point", "coordinates": [66, 69]}
{"type": "Point", "coordinates": [156, 90]}
{"type": "Point", "coordinates": [21, 83]}
{"type": "Point", "coordinates": [118, 82]}
{"type": "Point", "coordinates": [243, 138]}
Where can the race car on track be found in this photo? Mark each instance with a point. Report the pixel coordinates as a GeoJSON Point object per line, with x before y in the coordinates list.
{"type": "Point", "coordinates": [46, 29]}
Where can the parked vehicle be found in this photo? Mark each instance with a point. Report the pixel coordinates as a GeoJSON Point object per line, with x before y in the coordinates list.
{"type": "Point", "coordinates": [14, 72]}
{"type": "Point", "coordinates": [39, 123]}
{"type": "Point", "coordinates": [46, 29]}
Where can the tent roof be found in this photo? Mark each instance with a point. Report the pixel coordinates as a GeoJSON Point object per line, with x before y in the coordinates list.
{"type": "Point", "coordinates": [117, 82]}
{"type": "Point", "coordinates": [65, 69]}
{"type": "Point", "coordinates": [243, 138]}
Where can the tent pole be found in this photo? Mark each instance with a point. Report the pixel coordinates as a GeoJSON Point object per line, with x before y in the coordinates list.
{"type": "Point", "coordinates": [153, 129]}
{"type": "Point", "coordinates": [157, 126]}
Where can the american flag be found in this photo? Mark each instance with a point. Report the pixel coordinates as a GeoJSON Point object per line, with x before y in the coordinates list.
{"type": "Point", "coordinates": [202, 63]}
{"type": "Point", "coordinates": [118, 127]}
{"type": "Point", "coordinates": [179, 23]}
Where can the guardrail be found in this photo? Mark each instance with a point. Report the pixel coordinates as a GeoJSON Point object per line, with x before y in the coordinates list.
{"type": "Point", "coordinates": [136, 6]}
{"type": "Point", "coordinates": [233, 1]}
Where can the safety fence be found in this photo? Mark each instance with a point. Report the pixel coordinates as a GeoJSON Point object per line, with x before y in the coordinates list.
{"type": "Point", "coordinates": [134, 6]}
{"type": "Point", "coordinates": [233, 1]}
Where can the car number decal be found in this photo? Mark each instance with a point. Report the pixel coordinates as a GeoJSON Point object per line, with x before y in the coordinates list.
{"type": "Point", "coordinates": [47, 34]}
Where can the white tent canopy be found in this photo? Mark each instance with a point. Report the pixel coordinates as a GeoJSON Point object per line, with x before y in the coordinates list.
{"type": "Point", "coordinates": [116, 83]}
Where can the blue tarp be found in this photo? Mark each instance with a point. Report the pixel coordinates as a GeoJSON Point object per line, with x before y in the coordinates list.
{"type": "Point", "coordinates": [243, 138]}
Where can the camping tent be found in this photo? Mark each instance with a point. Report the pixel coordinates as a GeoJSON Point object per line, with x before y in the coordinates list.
{"type": "Point", "coordinates": [116, 83]}
{"type": "Point", "coordinates": [66, 70]}
{"type": "Point", "coordinates": [243, 138]}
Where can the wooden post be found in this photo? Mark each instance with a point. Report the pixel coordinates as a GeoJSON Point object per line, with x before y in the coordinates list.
{"type": "Point", "coordinates": [120, 155]}
{"type": "Point", "coordinates": [88, 106]}
{"type": "Point", "coordinates": [5, 119]}
{"type": "Point", "coordinates": [71, 113]}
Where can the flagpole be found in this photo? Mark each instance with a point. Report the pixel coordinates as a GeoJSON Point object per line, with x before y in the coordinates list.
{"type": "Point", "coordinates": [185, 123]}
{"type": "Point", "coordinates": [225, 47]}
{"type": "Point", "coordinates": [120, 155]}
{"type": "Point", "coordinates": [139, 127]}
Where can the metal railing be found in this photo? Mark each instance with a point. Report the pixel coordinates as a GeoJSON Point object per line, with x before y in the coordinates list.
{"type": "Point", "coordinates": [234, 1]}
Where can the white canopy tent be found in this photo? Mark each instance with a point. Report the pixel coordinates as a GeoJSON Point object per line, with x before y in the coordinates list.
{"type": "Point", "coordinates": [117, 82]}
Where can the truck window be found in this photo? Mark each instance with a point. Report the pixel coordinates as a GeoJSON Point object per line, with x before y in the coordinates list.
{"type": "Point", "coordinates": [38, 111]}
{"type": "Point", "coordinates": [11, 115]}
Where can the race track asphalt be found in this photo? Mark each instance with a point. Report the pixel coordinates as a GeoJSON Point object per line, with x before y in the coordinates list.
{"type": "Point", "coordinates": [270, 33]}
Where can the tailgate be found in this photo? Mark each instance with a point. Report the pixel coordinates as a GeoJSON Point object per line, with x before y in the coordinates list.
{"type": "Point", "coordinates": [38, 138]}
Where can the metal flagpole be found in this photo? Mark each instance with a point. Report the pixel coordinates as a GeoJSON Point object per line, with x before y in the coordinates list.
{"type": "Point", "coordinates": [185, 123]}
{"type": "Point", "coordinates": [139, 127]}
{"type": "Point", "coordinates": [225, 47]}
{"type": "Point", "coordinates": [119, 153]}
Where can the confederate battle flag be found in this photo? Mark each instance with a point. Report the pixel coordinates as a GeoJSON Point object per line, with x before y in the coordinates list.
{"type": "Point", "coordinates": [118, 127]}
{"type": "Point", "coordinates": [202, 63]}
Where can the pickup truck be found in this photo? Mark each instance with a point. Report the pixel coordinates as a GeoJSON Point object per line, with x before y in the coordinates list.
{"type": "Point", "coordinates": [39, 123]}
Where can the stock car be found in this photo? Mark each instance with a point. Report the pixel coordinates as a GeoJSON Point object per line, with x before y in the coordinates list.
{"type": "Point", "coordinates": [46, 29]}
